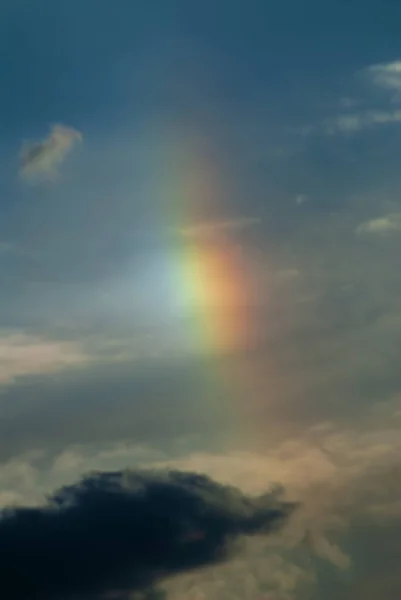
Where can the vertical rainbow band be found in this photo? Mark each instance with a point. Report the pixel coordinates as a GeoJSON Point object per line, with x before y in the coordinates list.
{"type": "Point", "coordinates": [212, 279]}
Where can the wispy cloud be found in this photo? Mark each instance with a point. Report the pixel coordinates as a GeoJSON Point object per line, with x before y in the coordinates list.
{"type": "Point", "coordinates": [353, 122]}
{"type": "Point", "coordinates": [40, 160]}
{"type": "Point", "coordinates": [362, 114]}
{"type": "Point", "coordinates": [389, 224]}
{"type": "Point", "coordinates": [22, 355]}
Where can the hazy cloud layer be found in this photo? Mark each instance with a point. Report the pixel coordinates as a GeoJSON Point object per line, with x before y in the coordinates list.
{"type": "Point", "coordinates": [347, 480]}
{"type": "Point", "coordinates": [24, 355]}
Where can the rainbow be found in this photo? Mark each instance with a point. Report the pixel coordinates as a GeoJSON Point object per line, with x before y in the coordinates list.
{"type": "Point", "coordinates": [211, 285]}
{"type": "Point", "coordinates": [212, 280]}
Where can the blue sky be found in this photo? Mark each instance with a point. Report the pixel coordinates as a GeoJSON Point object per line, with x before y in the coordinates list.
{"type": "Point", "coordinates": [297, 109]}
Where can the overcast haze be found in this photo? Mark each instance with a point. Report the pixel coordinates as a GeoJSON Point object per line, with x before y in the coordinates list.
{"type": "Point", "coordinates": [200, 269]}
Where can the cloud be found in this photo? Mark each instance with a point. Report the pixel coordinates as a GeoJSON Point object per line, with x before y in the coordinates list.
{"type": "Point", "coordinates": [22, 354]}
{"type": "Point", "coordinates": [40, 160]}
{"type": "Point", "coordinates": [301, 199]}
{"type": "Point", "coordinates": [210, 228]}
{"type": "Point", "coordinates": [386, 225]}
{"type": "Point", "coordinates": [116, 532]}
{"type": "Point", "coordinates": [342, 476]}
{"type": "Point", "coordinates": [386, 75]}
{"type": "Point", "coordinates": [349, 123]}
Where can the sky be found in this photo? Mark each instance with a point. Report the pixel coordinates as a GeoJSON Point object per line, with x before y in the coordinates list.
{"type": "Point", "coordinates": [200, 242]}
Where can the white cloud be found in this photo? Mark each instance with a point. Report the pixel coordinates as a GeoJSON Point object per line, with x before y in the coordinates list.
{"type": "Point", "coordinates": [389, 224]}
{"type": "Point", "coordinates": [22, 355]}
{"type": "Point", "coordinates": [353, 122]}
{"type": "Point", "coordinates": [40, 160]}
{"type": "Point", "coordinates": [387, 75]}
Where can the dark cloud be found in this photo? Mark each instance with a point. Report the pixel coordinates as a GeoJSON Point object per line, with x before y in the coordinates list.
{"type": "Point", "coordinates": [113, 533]}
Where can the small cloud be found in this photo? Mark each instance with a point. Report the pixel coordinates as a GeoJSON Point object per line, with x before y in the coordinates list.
{"type": "Point", "coordinates": [386, 225]}
{"type": "Point", "coordinates": [386, 75]}
{"type": "Point", "coordinates": [351, 123]}
{"type": "Point", "coordinates": [23, 355]}
{"type": "Point", "coordinates": [345, 123]}
{"type": "Point", "coordinates": [301, 199]}
{"type": "Point", "coordinates": [354, 122]}
{"type": "Point", "coordinates": [40, 160]}
{"type": "Point", "coordinates": [209, 228]}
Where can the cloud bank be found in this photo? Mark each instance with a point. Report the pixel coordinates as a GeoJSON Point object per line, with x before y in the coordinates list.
{"type": "Point", "coordinates": [113, 533]}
